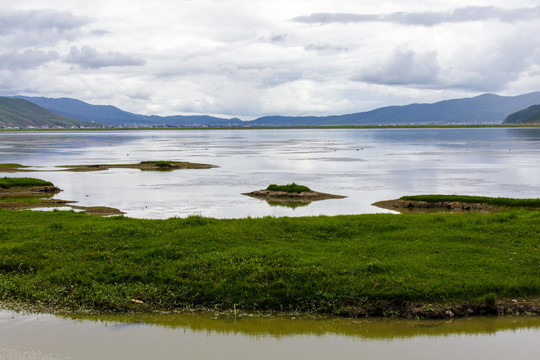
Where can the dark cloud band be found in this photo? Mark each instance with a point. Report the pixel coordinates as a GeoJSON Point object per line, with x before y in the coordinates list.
{"type": "Point", "coordinates": [428, 18]}
{"type": "Point", "coordinates": [88, 57]}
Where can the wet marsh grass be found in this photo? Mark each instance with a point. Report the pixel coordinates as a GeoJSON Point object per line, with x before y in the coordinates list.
{"type": "Point", "coordinates": [318, 264]}
{"type": "Point", "coordinates": [9, 182]}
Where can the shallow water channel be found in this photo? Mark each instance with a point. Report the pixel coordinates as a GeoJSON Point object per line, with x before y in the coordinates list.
{"type": "Point", "coordinates": [218, 336]}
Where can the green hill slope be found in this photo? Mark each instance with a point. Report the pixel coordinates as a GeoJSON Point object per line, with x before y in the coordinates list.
{"type": "Point", "coordinates": [530, 115]}
{"type": "Point", "coordinates": [20, 113]}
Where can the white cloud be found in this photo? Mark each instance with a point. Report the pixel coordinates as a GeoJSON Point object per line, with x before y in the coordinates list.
{"type": "Point", "coordinates": [249, 59]}
{"type": "Point", "coordinates": [27, 59]}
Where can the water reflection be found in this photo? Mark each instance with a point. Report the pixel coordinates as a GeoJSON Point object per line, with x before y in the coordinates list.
{"type": "Point", "coordinates": [218, 336]}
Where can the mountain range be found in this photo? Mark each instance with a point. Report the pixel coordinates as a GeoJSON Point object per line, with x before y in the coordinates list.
{"type": "Point", "coordinates": [482, 109]}
{"type": "Point", "coordinates": [20, 113]}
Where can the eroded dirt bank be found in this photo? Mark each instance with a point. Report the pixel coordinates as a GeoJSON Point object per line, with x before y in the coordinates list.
{"type": "Point", "coordinates": [415, 206]}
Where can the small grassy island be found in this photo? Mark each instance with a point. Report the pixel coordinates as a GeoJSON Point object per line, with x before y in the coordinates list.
{"type": "Point", "coordinates": [408, 265]}
{"type": "Point", "coordinates": [290, 193]}
{"type": "Point", "coordinates": [143, 165]}
{"type": "Point", "coordinates": [455, 204]}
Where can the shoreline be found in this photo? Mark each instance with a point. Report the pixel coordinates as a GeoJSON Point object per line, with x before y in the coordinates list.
{"type": "Point", "coordinates": [480, 126]}
{"type": "Point", "coordinates": [382, 309]}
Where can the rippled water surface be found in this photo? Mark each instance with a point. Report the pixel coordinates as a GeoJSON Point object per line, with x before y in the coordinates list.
{"type": "Point", "coordinates": [366, 165]}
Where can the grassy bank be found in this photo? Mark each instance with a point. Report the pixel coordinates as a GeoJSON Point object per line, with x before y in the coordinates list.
{"type": "Point", "coordinates": [324, 264]}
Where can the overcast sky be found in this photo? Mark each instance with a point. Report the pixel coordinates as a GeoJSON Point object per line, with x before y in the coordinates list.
{"type": "Point", "coordinates": [252, 58]}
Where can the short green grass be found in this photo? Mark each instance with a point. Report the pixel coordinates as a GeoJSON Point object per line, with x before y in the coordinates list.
{"type": "Point", "coordinates": [9, 182]}
{"type": "Point", "coordinates": [315, 264]}
{"type": "Point", "coordinates": [291, 188]}
{"type": "Point", "coordinates": [497, 201]}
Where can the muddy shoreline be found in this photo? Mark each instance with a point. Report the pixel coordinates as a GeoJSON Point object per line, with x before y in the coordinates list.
{"type": "Point", "coordinates": [415, 206]}
{"type": "Point", "coordinates": [397, 309]}
{"type": "Point", "coordinates": [385, 309]}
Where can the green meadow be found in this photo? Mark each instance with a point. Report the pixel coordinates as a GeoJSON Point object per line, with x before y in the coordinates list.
{"type": "Point", "coordinates": [73, 261]}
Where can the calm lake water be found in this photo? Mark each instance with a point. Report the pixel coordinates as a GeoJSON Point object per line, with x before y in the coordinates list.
{"type": "Point", "coordinates": [206, 336]}
{"type": "Point", "coordinates": [366, 165]}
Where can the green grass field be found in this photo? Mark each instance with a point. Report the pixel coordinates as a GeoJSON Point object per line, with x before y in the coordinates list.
{"type": "Point", "coordinates": [65, 260]}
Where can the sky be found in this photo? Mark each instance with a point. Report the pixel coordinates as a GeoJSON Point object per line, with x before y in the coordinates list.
{"type": "Point", "coordinates": [254, 58]}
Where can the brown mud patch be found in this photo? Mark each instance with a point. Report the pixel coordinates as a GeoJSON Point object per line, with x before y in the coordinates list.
{"type": "Point", "coordinates": [28, 191]}
{"type": "Point", "coordinates": [289, 197]}
{"type": "Point", "coordinates": [417, 310]}
{"type": "Point", "coordinates": [415, 206]}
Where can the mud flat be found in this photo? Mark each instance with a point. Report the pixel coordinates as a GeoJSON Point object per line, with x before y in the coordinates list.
{"type": "Point", "coordinates": [12, 168]}
{"type": "Point", "coordinates": [143, 165]}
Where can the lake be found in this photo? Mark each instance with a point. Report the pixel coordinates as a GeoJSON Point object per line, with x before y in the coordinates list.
{"type": "Point", "coordinates": [366, 165]}
{"type": "Point", "coordinates": [216, 336]}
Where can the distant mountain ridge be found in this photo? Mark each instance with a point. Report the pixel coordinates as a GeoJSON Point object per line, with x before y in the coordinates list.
{"type": "Point", "coordinates": [482, 109]}
{"type": "Point", "coordinates": [530, 115]}
{"type": "Point", "coordinates": [19, 113]}
{"type": "Point", "coordinates": [112, 116]}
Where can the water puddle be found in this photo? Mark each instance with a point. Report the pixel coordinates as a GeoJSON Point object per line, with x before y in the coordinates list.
{"type": "Point", "coordinates": [219, 336]}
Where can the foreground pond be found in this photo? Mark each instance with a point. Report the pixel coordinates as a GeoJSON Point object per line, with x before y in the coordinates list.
{"type": "Point", "coordinates": [218, 336]}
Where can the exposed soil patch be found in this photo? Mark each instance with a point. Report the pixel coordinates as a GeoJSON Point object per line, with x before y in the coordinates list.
{"type": "Point", "coordinates": [396, 309]}
{"type": "Point", "coordinates": [415, 206]}
{"type": "Point", "coordinates": [284, 196]}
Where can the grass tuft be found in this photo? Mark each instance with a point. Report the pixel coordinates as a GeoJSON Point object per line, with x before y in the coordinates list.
{"type": "Point", "coordinates": [291, 188]}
